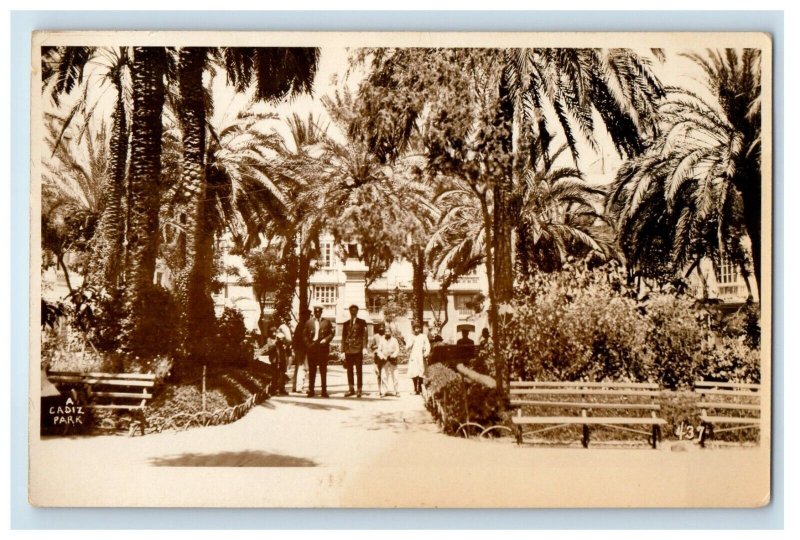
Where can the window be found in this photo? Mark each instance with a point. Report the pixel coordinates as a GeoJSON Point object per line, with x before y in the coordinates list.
{"type": "Point", "coordinates": [326, 255]}
{"type": "Point", "coordinates": [325, 294]}
{"type": "Point", "coordinates": [726, 271]}
{"type": "Point", "coordinates": [375, 304]}
{"type": "Point", "coordinates": [463, 305]}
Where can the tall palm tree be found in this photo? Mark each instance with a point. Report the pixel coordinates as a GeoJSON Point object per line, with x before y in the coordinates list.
{"type": "Point", "coordinates": [64, 71]}
{"type": "Point", "coordinates": [536, 89]}
{"type": "Point", "coordinates": [473, 101]}
{"type": "Point", "coordinates": [701, 177]}
{"type": "Point", "coordinates": [149, 68]}
{"type": "Point", "coordinates": [275, 73]}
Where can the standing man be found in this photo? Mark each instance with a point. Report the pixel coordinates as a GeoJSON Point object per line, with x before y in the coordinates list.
{"type": "Point", "coordinates": [283, 336]}
{"type": "Point", "coordinates": [354, 344]}
{"type": "Point", "coordinates": [389, 350]}
{"type": "Point", "coordinates": [300, 359]}
{"type": "Point", "coordinates": [317, 336]}
{"type": "Point", "coordinates": [374, 345]}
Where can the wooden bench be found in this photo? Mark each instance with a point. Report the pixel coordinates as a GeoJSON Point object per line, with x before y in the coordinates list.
{"type": "Point", "coordinates": [582, 403]}
{"type": "Point", "coordinates": [108, 391]}
{"type": "Point", "coordinates": [735, 405]}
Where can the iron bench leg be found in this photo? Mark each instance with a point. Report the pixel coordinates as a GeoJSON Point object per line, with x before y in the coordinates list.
{"type": "Point", "coordinates": [585, 440]}
{"type": "Point", "coordinates": [656, 435]}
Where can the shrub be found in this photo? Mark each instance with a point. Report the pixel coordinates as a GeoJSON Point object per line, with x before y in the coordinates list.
{"type": "Point", "coordinates": [731, 361]}
{"type": "Point", "coordinates": [576, 325]}
{"type": "Point", "coordinates": [233, 346]}
{"type": "Point", "coordinates": [454, 400]}
{"type": "Point", "coordinates": [158, 329]}
{"type": "Point", "coordinates": [587, 324]}
{"type": "Point", "coordinates": [677, 339]}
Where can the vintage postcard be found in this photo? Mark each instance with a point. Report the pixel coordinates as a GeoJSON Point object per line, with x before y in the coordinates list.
{"type": "Point", "coordinates": [400, 269]}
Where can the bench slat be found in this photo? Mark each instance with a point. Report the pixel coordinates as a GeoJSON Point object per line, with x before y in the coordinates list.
{"type": "Point", "coordinates": [128, 407]}
{"type": "Point", "coordinates": [132, 395]}
{"type": "Point", "coordinates": [729, 393]}
{"type": "Point", "coordinates": [99, 375]}
{"type": "Point", "coordinates": [712, 384]}
{"type": "Point", "coordinates": [586, 420]}
{"type": "Point", "coordinates": [734, 406]}
{"type": "Point", "coordinates": [549, 384]}
{"type": "Point", "coordinates": [587, 392]}
{"type": "Point", "coordinates": [108, 382]}
{"type": "Point", "coordinates": [581, 405]}
{"type": "Point", "coordinates": [730, 419]}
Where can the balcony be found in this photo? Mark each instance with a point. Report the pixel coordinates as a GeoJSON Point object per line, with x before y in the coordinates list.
{"type": "Point", "coordinates": [324, 275]}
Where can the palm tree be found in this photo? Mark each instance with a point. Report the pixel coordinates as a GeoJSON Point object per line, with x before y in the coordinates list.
{"type": "Point", "coordinates": [73, 184]}
{"type": "Point", "coordinates": [699, 182]}
{"type": "Point", "coordinates": [350, 183]}
{"type": "Point", "coordinates": [63, 71]}
{"type": "Point", "coordinates": [663, 239]}
{"type": "Point", "coordinates": [148, 69]}
{"type": "Point", "coordinates": [560, 215]}
{"type": "Point", "coordinates": [275, 74]}
{"type": "Point", "coordinates": [531, 87]}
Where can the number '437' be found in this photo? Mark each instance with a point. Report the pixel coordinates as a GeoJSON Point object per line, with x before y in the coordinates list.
{"type": "Point", "coordinates": [688, 431]}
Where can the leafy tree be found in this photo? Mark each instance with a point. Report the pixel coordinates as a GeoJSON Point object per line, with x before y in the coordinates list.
{"type": "Point", "coordinates": [467, 104]}
{"type": "Point", "coordinates": [270, 280]}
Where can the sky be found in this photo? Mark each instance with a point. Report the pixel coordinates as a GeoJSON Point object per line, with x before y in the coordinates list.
{"type": "Point", "coordinates": [332, 75]}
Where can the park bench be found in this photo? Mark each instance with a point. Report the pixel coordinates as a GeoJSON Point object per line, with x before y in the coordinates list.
{"type": "Point", "coordinates": [118, 392]}
{"type": "Point", "coordinates": [561, 404]}
{"type": "Point", "coordinates": [736, 406]}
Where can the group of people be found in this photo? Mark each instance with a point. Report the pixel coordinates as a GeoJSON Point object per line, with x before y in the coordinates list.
{"type": "Point", "coordinates": [309, 347]}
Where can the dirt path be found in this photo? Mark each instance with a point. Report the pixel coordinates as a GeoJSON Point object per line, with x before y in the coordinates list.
{"type": "Point", "coordinates": [298, 451]}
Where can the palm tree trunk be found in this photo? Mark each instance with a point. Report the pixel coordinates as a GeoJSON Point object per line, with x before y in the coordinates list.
{"type": "Point", "coordinates": [149, 66]}
{"type": "Point", "coordinates": [110, 229]}
{"type": "Point", "coordinates": [751, 195]}
{"type": "Point", "coordinates": [488, 254]}
{"type": "Point", "coordinates": [194, 285]}
{"type": "Point", "coordinates": [501, 191]}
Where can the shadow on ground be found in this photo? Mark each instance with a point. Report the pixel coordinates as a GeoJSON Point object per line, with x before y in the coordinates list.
{"type": "Point", "coordinates": [246, 458]}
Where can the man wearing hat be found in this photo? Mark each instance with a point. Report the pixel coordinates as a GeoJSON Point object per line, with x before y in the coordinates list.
{"type": "Point", "coordinates": [317, 336]}
{"type": "Point", "coordinates": [354, 343]}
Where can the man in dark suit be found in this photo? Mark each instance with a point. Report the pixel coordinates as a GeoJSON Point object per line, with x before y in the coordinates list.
{"type": "Point", "coordinates": [317, 335]}
{"type": "Point", "coordinates": [354, 343]}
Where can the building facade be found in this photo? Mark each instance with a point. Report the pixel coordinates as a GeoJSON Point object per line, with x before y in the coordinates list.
{"type": "Point", "coordinates": [340, 281]}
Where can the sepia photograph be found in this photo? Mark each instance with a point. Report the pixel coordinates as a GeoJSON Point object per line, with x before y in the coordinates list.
{"type": "Point", "coordinates": [412, 270]}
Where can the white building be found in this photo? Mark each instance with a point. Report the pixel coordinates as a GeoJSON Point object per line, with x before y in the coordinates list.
{"type": "Point", "coordinates": [723, 282]}
{"type": "Point", "coordinates": [339, 283]}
